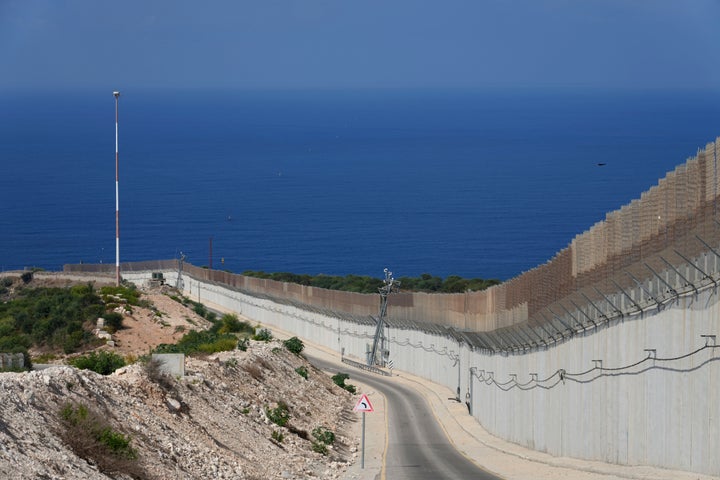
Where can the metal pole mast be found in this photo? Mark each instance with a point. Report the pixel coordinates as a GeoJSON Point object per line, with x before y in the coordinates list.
{"type": "Point", "coordinates": [116, 94]}
{"type": "Point", "coordinates": [390, 285]}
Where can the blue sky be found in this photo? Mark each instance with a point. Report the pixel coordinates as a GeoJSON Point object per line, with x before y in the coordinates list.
{"type": "Point", "coordinates": [351, 43]}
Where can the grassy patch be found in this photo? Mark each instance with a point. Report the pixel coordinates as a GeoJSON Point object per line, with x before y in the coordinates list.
{"type": "Point", "coordinates": [206, 341]}
{"type": "Point", "coordinates": [101, 362]}
{"type": "Point", "coordinates": [91, 437]}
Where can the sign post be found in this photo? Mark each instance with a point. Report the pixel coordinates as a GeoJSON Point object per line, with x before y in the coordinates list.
{"type": "Point", "coordinates": [363, 405]}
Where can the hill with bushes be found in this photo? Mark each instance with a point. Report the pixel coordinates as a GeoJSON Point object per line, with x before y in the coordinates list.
{"type": "Point", "coordinates": [249, 405]}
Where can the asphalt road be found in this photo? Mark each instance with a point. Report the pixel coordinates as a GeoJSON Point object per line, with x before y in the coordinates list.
{"type": "Point", "coordinates": [418, 448]}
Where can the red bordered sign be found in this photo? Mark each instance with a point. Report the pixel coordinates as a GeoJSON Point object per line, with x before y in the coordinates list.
{"type": "Point", "coordinates": [363, 405]}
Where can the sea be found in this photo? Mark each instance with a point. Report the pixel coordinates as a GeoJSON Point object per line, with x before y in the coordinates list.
{"type": "Point", "coordinates": [477, 183]}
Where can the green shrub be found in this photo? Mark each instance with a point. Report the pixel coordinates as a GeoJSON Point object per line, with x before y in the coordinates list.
{"type": "Point", "coordinates": [113, 321]}
{"type": "Point", "coordinates": [129, 292]}
{"type": "Point", "coordinates": [229, 323]}
{"type": "Point", "coordinates": [73, 341]}
{"type": "Point", "coordinates": [200, 309]}
{"type": "Point", "coordinates": [10, 343]}
{"type": "Point", "coordinates": [243, 345]}
{"type": "Point", "coordinates": [302, 371]}
{"type": "Point", "coordinates": [263, 335]}
{"type": "Point", "coordinates": [116, 442]}
{"type": "Point", "coordinates": [82, 289]}
{"type": "Point", "coordinates": [8, 326]}
{"type": "Point", "coordinates": [294, 344]}
{"type": "Point", "coordinates": [45, 317]}
{"type": "Point", "coordinates": [320, 448]}
{"type": "Point", "coordinates": [74, 414]}
{"type": "Point", "coordinates": [205, 341]}
{"type": "Point", "coordinates": [323, 435]}
{"type": "Point", "coordinates": [102, 362]}
{"type": "Point", "coordinates": [339, 380]}
{"type": "Point", "coordinates": [277, 436]}
{"type": "Point", "coordinates": [278, 415]}
{"type": "Point", "coordinates": [222, 344]}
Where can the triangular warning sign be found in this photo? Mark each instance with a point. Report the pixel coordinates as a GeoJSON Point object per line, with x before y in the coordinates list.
{"type": "Point", "coordinates": [363, 405]}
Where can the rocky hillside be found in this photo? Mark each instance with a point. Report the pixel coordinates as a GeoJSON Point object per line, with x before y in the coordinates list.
{"type": "Point", "coordinates": [213, 423]}
{"type": "Point", "coordinates": [219, 421]}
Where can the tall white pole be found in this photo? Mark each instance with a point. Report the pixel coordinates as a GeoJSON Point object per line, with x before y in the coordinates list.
{"type": "Point", "coordinates": [116, 94]}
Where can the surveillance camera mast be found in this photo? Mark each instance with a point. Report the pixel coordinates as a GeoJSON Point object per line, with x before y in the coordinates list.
{"type": "Point", "coordinates": [390, 285]}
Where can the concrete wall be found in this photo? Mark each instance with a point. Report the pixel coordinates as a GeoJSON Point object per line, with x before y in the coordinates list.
{"type": "Point", "coordinates": [662, 411]}
{"type": "Point", "coordinates": [597, 396]}
{"type": "Point", "coordinates": [171, 363]}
